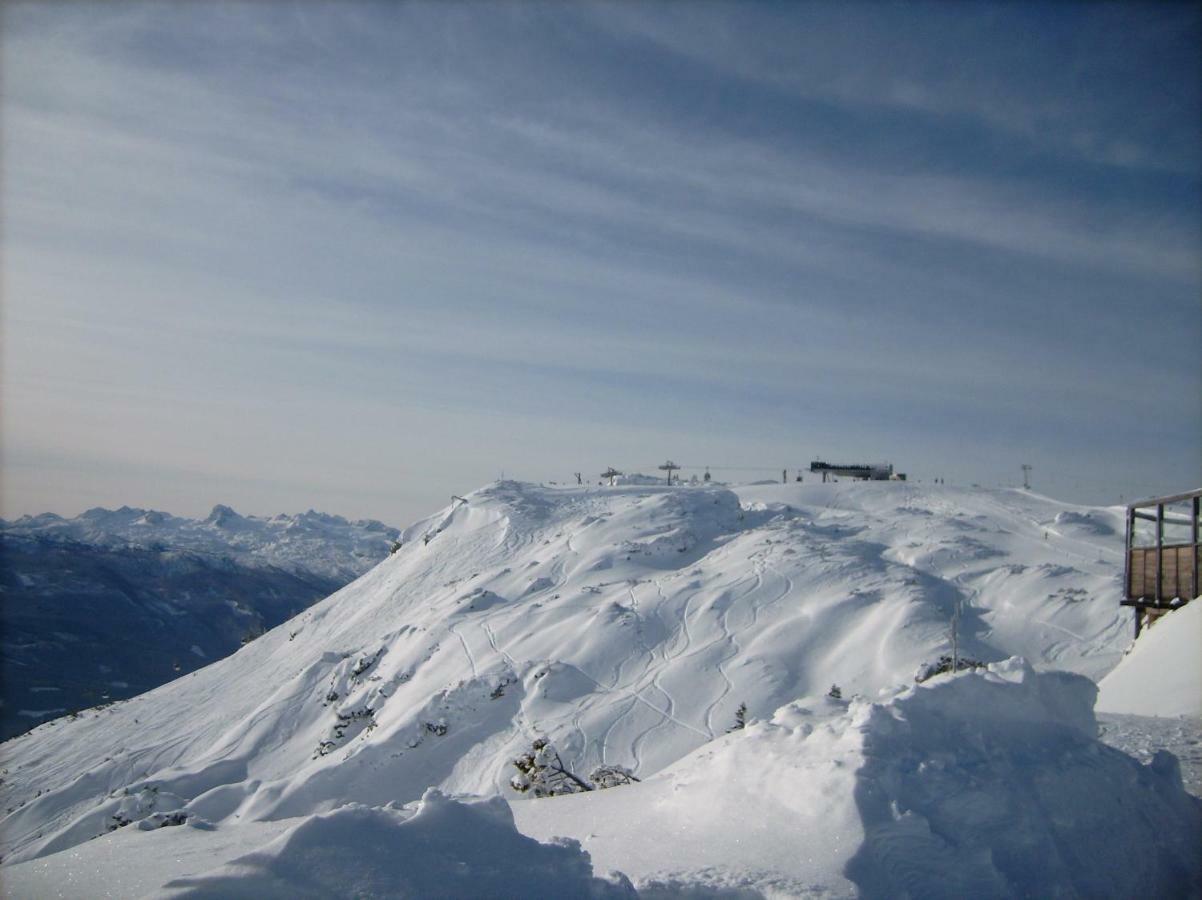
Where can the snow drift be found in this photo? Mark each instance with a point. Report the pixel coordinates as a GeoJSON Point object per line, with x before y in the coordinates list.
{"type": "Point", "coordinates": [444, 849]}
{"type": "Point", "coordinates": [1162, 674]}
{"type": "Point", "coordinates": [976, 785]}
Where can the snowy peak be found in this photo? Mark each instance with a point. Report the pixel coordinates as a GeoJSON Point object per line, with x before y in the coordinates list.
{"type": "Point", "coordinates": [223, 517]}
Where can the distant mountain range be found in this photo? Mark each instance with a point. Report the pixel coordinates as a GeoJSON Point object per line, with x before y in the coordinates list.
{"type": "Point", "coordinates": [111, 603]}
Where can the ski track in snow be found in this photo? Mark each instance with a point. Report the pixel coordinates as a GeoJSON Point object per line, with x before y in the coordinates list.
{"type": "Point", "coordinates": [638, 698]}
{"type": "Point", "coordinates": [727, 637]}
{"type": "Point", "coordinates": [492, 642]}
{"type": "Point", "coordinates": [1071, 634]}
{"type": "Point", "coordinates": [466, 650]}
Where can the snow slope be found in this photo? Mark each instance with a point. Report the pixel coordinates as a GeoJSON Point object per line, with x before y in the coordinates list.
{"type": "Point", "coordinates": [1162, 675]}
{"type": "Point", "coordinates": [627, 624]}
{"type": "Point", "coordinates": [982, 784]}
{"type": "Point", "coordinates": [439, 847]}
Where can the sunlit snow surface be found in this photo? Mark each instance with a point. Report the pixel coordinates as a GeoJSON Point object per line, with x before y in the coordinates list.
{"type": "Point", "coordinates": [628, 625]}
{"type": "Point", "coordinates": [1162, 674]}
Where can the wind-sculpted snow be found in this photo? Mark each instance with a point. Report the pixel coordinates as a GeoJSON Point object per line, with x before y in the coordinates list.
{"type": "Point", "coordinates": [444, 848]}
{"type": "Point", "coordinates": [986, 784]}
{"type": "Point", "coordinates": [626, 624]}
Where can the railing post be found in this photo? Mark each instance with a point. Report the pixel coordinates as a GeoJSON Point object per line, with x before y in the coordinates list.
{"type": "Point", "coordinates": [1127, 573]}
{"type": "Point", "coordinates": [1159, 550]}
{"type": "Point", "coordinates": [1194, 551]}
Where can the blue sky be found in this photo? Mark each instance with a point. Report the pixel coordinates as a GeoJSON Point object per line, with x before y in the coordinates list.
{"type": "Point", "coordinates": [362, 256]}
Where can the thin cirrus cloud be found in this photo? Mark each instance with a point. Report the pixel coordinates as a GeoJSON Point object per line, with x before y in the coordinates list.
{"type": "Point", "coordinates": [270, 246]}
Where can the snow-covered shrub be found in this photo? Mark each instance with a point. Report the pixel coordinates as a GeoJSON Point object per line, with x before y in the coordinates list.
{"type": "Point", "coordinates": [354, 720]}
{"type": "Point", "coordinates": [604, 777]}
{"type": "Point", "coordinates": [498, 690]}
{"type": "Point", "coordinates": [542, 773]}
{"type": "Point", "coordinates": [944, 664]}
{"type": "Point", "coordinates": [740, 719]}
{"type": "Point", "coordinates": [163, 820]}
{"type": "Point", "coordinates": [365, 663]}
{"type": "Point", "coordinates": [253, 634]}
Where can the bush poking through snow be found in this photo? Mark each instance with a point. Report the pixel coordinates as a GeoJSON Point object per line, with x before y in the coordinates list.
{"type": "Point", "coordinates": [253, 634]}
{"type": "Point", "coordinates": [542, 773]}
{"type": "Point", "coordinates": [499, 691]}
{"type": "Point", "coordinates": [365, 663]}
{"type": "Point", "coordinates": [740, 719]}
{"type": "Point", "coordinates": [944, 664]}
{"type": "Point", "coordinates": [163, 820]}
{"type": "Point", "coordinates": [835, 693]}
{"type": "Point", "coordinates": [604, 777]}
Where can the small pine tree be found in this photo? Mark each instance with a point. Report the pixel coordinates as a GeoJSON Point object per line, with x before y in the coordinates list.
{"type": "Point", "coordinates": [740, 718]}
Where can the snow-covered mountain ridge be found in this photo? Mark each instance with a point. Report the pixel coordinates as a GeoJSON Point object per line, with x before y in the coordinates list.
{"type": "Point", "coordinates": [627, 624]}
{"type": "Point", "coordinates": [112, 603]}
{"type": "Point", "coordinates": [312, 542]}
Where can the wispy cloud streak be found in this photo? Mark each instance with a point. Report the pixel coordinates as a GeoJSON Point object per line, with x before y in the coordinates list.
{"type": "Point", "coordinates": [260, 218]}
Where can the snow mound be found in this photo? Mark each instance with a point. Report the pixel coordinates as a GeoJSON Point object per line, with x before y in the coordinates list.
{"type": "Point", "coordinates": [1087, 522]}
{"type": "Point", "coordinates": [988, 784]}
{"type": "Point", "coordinates": [1162, 675]}
{"type": "Point", "coordinates": [446, 849]}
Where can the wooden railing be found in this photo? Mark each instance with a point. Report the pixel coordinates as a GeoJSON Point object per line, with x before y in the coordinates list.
{"type": "Point", "coordinates": [1164, 572]}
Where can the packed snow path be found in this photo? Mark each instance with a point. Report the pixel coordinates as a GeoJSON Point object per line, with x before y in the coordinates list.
{"type": "Point", "coordinates": [627, 624]}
